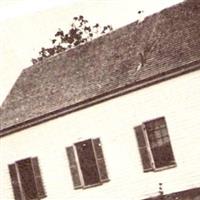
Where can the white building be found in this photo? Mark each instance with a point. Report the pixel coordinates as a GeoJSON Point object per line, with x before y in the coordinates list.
{"type": "Point", "coordinates": [116, 118]}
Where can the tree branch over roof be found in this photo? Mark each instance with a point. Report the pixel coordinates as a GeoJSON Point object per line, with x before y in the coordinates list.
{"type": "Point", "coordinates": [79, 33]}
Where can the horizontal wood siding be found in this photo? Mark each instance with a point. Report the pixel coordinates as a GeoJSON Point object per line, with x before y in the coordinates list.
{"type": "Point", "coordinates": [114, 121]}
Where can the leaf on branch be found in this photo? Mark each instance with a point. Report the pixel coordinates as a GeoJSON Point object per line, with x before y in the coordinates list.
{"type": "Point", "coordinates": [81, 17]}
{"type": "Point", "coordinates": [53, 41]}
{"type": "Point", "coordinates": [110, 27]}
{"type": "Point", "coordinates": [51, 51]}
{"type": "Point", "coordinates": [70, 40]}
{"type": "Point", "coordinates": [40, 58]}
{"type": "Point", "coordinates": [76, 43]}
{"type": "Point", "coordinates": [96, 26]}
{"type": "Point", "coordinates": [85, 21]}
{"type": "Point", "coordinates": [87, 28]}
{"type": "Point", "coordinates": [84, 40]}
{"type": "Point", "coordinates": [73, 32]}
{"type": "Point", "coordinates": [59, 33]}
{"type": "Point", "coordinates": [81, 24]}
{"type": "Point", "coordinates": [59, 49]}
{"type": "Point", "coordinates": [64, 39]}
{"type": "Point", "coordinates": [34, 60]}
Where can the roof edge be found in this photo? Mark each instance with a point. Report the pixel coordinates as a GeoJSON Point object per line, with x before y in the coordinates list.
{"type": "Point", "coordinates": [187, 68]}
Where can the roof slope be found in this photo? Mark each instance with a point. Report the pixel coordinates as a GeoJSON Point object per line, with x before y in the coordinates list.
{"type": "Point", "coordinates": [169, 42]}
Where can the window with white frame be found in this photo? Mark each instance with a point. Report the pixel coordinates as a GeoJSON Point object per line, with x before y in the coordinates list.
{"type": "Point", "coordinates": [154, 145]}
{"type": "Point", "coordinates": [26, 179]}
{"type": "Point", "coordinates": [86, 162]}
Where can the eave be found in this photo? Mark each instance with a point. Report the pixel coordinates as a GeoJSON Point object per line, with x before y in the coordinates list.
{"type": "Point", "coordinates": [184, 69]}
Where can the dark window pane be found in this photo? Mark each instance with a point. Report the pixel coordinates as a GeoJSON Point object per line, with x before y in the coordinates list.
{"type": "Point", "coordinates": [87, 162]}
{"type": "Point", "coordinates": [152, 137]}
{"type": "Point", "coordinates": [27, 178]}
{"type": "Point", "coordinates": [163, 155]}
{"type": "Point", "coordinates": [159, 142]}
{"type": "Point", "coordinates": [166, 140]}
{"type": "Point", "coordinates": [155, 124]}
{"type": "Point", "coordinates": [157, 134]}
{"type": "Point", "coordinates": [15, 182]}
{"type": "Point", "coordinates": [164, 132]}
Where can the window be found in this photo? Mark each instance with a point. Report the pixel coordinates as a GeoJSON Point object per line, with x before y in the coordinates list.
{"type": "Point", "coordinates": [87, 163]}
{"type": "Point", "coordinates": [26, 179]}
{"type": "Point", "coordinates": [154, 145]}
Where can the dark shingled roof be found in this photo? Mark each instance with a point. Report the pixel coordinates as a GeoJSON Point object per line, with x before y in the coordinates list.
{"type": "Point", "coordinates": [169, 42]}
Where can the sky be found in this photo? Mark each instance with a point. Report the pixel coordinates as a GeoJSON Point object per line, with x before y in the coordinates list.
{"type": "Point", "coordinates": [28, 25]}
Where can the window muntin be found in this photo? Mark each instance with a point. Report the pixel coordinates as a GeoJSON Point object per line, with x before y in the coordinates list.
{"type": "Point", "coordinates": [154, 145]}
{"type": "Point", "coordinates": [158, 136]}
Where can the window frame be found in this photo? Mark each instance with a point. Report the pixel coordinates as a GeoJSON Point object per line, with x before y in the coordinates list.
{"type": "Point", "coordinates": [83, 184]}
{"type": "Point", "coordinates": [149, 148]}
{"type": "Point", "coordinates": [32, 164]}
{"type": "Point", "coordinates": [79, 166]}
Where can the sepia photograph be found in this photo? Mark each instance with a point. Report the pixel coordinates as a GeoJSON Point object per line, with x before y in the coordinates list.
{"type": "Point", "coordinates": [99, 100]}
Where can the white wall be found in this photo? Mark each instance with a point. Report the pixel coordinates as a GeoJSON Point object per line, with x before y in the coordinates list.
{"type": "Point", "coordinates": [113, 121]}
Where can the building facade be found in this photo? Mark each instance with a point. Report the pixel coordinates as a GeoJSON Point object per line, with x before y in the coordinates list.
{"type": "Point", "coordinates": [109, 120]}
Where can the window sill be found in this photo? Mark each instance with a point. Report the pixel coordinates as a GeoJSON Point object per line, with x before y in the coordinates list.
{"type": "Point", "coordinates": [164, 168]}
{"type": "Point", "coordinates": [93, 185]}
{"type": "Point", "coordinates": [96, 184]}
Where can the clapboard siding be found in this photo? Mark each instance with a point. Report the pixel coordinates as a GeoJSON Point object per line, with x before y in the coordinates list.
{"type": "Point", "coordinates": [113, 121]}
